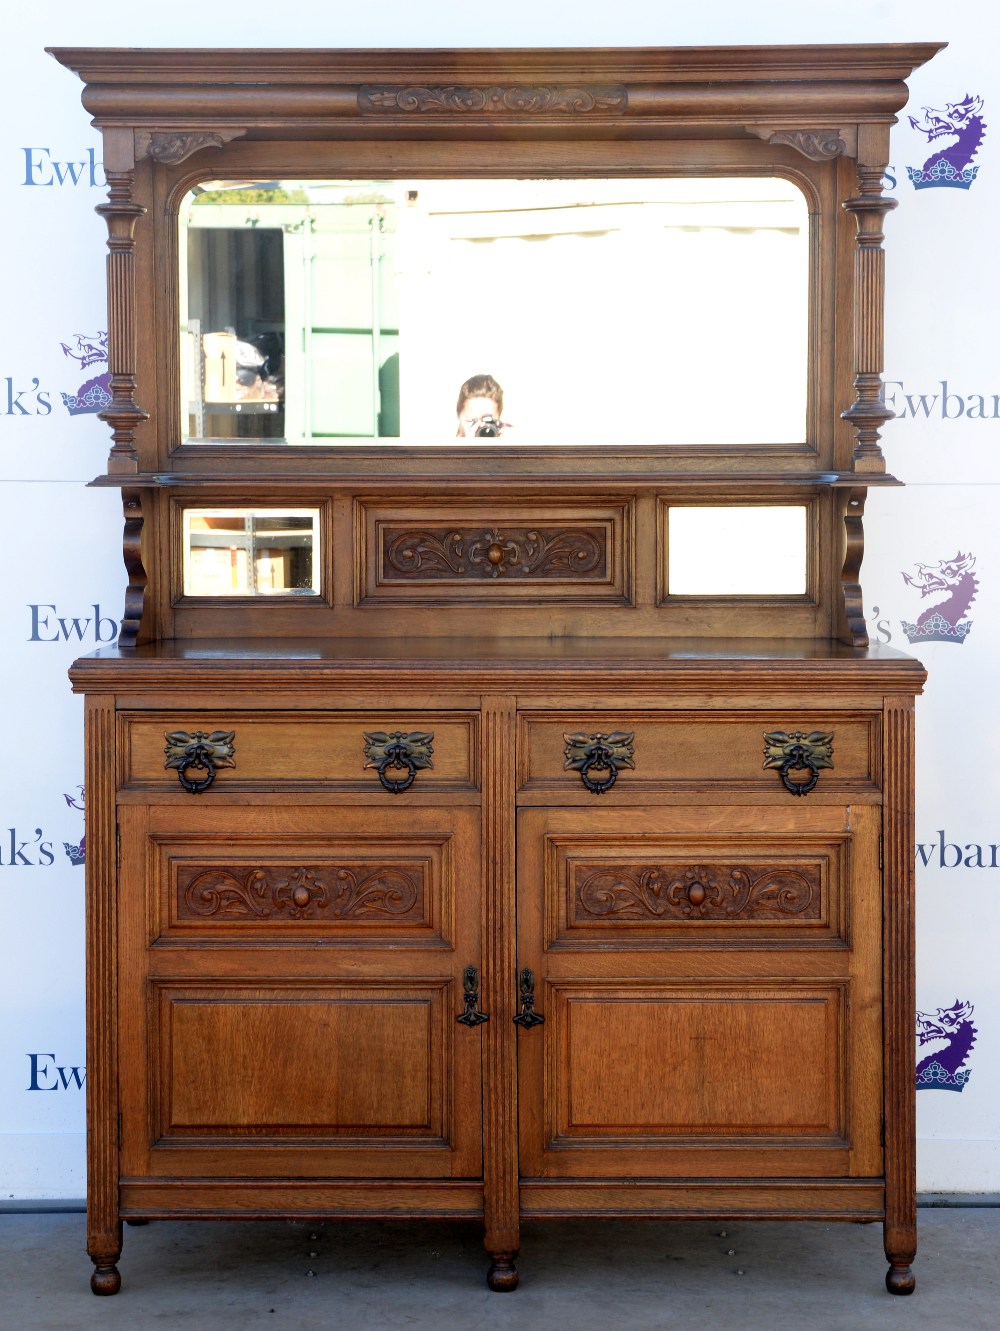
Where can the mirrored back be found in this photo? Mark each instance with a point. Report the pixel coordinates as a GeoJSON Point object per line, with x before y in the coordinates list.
{"type": "Point", "coordinates": [554, 311]}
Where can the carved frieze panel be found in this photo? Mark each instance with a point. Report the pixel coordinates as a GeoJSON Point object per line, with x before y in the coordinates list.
{"type": "Point", "coordinates": [712, 892]}
{"type": "Point", "coordinates": [519, 100]}
{"type": "Point", "coordinates": [441, 553]}
{"type": "Point", "coordinates": [412, 553]}
{"type": "Point", "coordinates": [335, 892]}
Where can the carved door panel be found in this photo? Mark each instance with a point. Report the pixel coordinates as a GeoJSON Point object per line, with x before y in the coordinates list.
{"type": "Point", "coordinates": [709, 982]}
{"type": "Point", "coordinates": [291, 978]}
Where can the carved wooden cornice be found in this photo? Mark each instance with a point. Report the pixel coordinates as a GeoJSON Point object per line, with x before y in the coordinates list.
{"type": "Point", "coordinates": [315, 92]}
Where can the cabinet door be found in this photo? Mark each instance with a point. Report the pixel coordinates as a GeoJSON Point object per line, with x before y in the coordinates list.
{"type": "Point", "coordinates": [710, 987]}
{"type": "Point", "coordinates": [289, 985]}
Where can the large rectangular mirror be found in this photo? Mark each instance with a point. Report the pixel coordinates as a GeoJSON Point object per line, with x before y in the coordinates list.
{"type": "Point", "coordinates": [596, 312]}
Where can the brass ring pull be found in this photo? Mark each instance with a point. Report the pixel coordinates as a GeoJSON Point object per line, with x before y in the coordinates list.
{"type": "Point", "coordinates": [389, 751]}
{"type": "Point", "coordinates": [799, 758]}
{"type": "Point", "coordinates": [201, 752]}
{"type": "Point", "coordinates": [794, 750]}
{"type": "Point", "coordinates": [396, 758]}
{"type": "Point", "coordinates": [600, 758]}
{"type": "Point", "coordinates": [602, 753]}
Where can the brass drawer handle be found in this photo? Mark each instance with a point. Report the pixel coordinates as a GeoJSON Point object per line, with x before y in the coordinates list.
{"type": "Point", "coordinates": [797, 751]}
{"type": "Point", "coordinates": [471, 1016]}
{"type": "Point", "coordinates": [394, 750]}
{"type": "Point", "coordinates": [200, 751]}
{"type": "Point", "coordinates": [599, 753]}
{"type": "Point", "coordinates": [528, 1017]}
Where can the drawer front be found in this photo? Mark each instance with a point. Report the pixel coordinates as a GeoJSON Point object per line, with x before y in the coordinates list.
{"type": "Point", "coordinates": [656, 751]}
{"type": "Point", "coordinates": [300, 751]}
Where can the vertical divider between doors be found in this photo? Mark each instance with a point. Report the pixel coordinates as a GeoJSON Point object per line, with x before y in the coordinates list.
{"type": "Point", "coordinates": [500, 1134]}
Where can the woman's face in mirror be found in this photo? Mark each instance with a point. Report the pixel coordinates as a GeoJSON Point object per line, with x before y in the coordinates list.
{"type": "Point", "coordinates": [473, 411]}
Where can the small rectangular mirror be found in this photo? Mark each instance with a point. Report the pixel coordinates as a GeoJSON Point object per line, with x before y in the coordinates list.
{"type": "Point", "coordinates": [251, 552]}
{"type": "Point", "coordinates": [757, 550]}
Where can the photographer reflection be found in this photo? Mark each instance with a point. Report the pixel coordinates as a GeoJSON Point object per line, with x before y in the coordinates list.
{"type": "Point", "coordinates": [479, 409]}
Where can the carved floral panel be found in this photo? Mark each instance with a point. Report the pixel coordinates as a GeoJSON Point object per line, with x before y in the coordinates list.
{"type": "Point", "coordinates": [458, 553]}
{"type": "Point", "coordinates": [333, 892]}
{"type": "Point", "coordinates": [710, 892]}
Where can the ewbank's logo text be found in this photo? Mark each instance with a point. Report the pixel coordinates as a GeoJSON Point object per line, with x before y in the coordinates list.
{"type": "Point", "coordinates": [17, 850]}
{"type": "Point", "coordinates": [944, 854]}
{"type": "Point", "coordinates": [943, 405]}
{"type": "Point", "coordinates": [47, 625]}
{"type": "Point", "coordinates": [31, 400]}
{"type": "Point", "coordinates": [45, 1074]}
{"type": "Point", "coordinates": [42, 168]}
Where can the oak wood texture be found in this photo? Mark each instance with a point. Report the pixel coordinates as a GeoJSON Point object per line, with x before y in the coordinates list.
{"type": "Point", "coordinates": [276, 965]}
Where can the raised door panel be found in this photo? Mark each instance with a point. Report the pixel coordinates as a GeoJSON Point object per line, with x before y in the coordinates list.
{"type": "Point", "coordinates": [710, 991]}
{"type": "Point", "coordinates": [291, 979]}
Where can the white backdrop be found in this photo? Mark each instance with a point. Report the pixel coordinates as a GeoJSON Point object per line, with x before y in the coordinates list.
{"type": "Point", "coordinates": [63, 586]}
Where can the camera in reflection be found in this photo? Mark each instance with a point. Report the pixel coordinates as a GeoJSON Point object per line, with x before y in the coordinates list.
{"type": "Point", "coordinates": [487, 428]}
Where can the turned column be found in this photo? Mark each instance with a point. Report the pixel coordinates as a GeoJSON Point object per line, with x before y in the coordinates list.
{"type": "Point", "coordinates": [868, 412]}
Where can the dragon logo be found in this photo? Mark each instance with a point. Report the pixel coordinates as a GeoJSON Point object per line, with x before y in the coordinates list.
{"type": "Point", "coordinates": [76, 854]}
{"type": "Point", "coordinates": [954, 581]}
{"type": "Point", "coordinates": [950, 1034]}
{"type": "Point", "coordinates": [95, 394]}
{"type": "Point", "coordinates": [950, 163]}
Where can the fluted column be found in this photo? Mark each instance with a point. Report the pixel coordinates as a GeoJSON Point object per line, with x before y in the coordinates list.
{"type": "Point", "coordinates": [868, 413]}
{"type": "Point", "coordinates": [121, 213]}
{"type": "Point", "coordinates": [500, 1135]}
{"type": "Point", "coordinates": [898, 949]}
{"type": "Point", "coordinates": [104, 1231]}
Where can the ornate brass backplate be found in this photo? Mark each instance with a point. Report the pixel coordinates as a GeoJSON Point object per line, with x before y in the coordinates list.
{"type": "Point", "coordinates": [789, 750]}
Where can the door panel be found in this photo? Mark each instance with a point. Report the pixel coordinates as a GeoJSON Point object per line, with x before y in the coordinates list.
{"type": "Point", "coordinates": [292, 978]}
{"type": "Point", "coordinates": [710, 993]}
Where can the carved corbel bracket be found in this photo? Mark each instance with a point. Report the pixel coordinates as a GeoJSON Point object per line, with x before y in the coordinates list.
{"type": "Point", "coordinates": [135, 592]}
{"type": "Point", "coordinates": [819, 145]}
{"type": "Point", "coordinates": [850, 577]}
{"type": "Point", "coordinates": [173, 146]}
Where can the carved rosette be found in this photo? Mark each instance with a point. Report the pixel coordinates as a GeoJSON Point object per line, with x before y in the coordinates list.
{"type": "Point", "coordinates": [868, 413]}
{"type": "Point", "coordinates": [302, 893]}
{"type": "Point", "coordinates": [695, 892]}
{"type": "Point", "coordinates": [520, 99]}
{"type": "Point", "coordinates": [446, 554]}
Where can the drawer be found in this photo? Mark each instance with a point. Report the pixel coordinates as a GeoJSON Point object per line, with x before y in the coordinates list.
{"type": "Point", "coordinates": [684, 750]}
{"type": "Point", "coordinates": [279, 751]}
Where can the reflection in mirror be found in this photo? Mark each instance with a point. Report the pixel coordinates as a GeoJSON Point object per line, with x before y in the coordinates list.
{"type": "Point", "coordinates": [627, 311]}
{"type": "Point", "coordinates": [758, 551]}
{"type": "Point", "coordinates": [250, 552]}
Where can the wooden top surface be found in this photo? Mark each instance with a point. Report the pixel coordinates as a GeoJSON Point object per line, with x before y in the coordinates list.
{"type": "Point", "coordinates": [506, 663]}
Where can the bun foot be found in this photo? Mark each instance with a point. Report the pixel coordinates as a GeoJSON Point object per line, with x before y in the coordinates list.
{"type": "Point", "coordinates": [502, 1276]}
{"type": "Point", "coordinates": [106, 1280]}
{"type": "Point", "coordinates": [900, 1280]}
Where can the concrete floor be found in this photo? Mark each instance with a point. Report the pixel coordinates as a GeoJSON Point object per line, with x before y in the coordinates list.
{"type": "Point", "coordinates": [575, 1276]}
